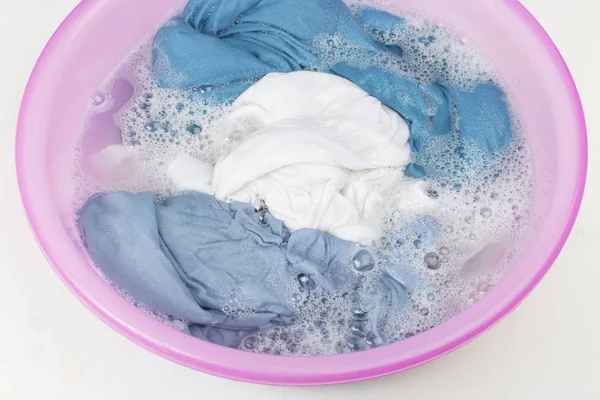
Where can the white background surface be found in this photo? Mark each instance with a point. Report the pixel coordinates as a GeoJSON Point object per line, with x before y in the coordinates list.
{"type": "Point", "coordinates": [51, 347]}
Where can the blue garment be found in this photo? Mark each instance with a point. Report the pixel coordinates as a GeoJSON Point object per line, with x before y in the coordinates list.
{"type": "Point", "coordinates": [195, 258]}
{"type": "Point", "coordinates": [422, 234]}
{"type": "Point", "coordinates": [228, 45]}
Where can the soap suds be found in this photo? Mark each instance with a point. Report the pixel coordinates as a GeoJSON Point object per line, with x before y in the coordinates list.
{"type": "Point", "coordinates": [482, 202]}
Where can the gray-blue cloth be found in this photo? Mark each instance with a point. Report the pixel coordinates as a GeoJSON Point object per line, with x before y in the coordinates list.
{"type": "Point", "coordinates": [226, 45]}
{"type": "Point", "coordinates": [224, 268]}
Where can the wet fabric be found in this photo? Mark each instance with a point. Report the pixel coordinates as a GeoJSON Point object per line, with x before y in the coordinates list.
{"type": "Point", "coordinates": [223, 47]}
{"type": "Point", "coordinates": [314, 148]}
{"type": "Point", "coordinates": [224, 268]}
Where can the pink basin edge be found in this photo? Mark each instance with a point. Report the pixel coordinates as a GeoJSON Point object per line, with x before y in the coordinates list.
{"type": "Point", "coordinates": [305, 371]}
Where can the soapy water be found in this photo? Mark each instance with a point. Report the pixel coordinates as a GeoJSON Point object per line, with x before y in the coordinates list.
{"type": "Point", "coordinates": [480, 213]}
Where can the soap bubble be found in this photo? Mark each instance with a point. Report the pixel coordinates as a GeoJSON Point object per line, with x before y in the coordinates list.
{"type": "Point", "coordinates": [293, 346]}
{"type": "Point", "coordinates": [194, 129]}
{"type": "Point", "coordinates": [296, 298]}
{"type": "Point", "coordinates": [98, 99]}
{"type": "Point", "coordinates": [354, 344]}
{"type": "Point", "coordinates": [300, 335]}
{"type": "Point", "coordinates": [432, 261]}
{"type": "Point", "coordinates": [251, 342]}
{"type": "Point", "coordinates": [340, 348]}
{"type": "Point", "coordinates": [363, 261]}
{"type": "Point", "coordinates": [306, 282]}
{"type": "Point", "coordinates": [359, 328]}
{"type": "Point", "coordinates": [152, 126]}
{"type": "Point", "coordinates": [373, 340]}
{"type": "Point", "coordinates": [363, 308]}
{"type": "Point", "coordinates": [484, 287]}
{"type": "Point", "coordinates": [473, 297]}
{"type": "Point", "coordinates": [263, 218]}
{"type": "Point", "coordinates": [486, 213]}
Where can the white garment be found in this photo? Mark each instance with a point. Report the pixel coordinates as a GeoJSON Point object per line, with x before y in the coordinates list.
{"type": "Point", "coordinates": [114, 162]}
{"type": "Point", "coordinates": [189, 173]}
{"type": "Point", "coordinates": [317, 149]}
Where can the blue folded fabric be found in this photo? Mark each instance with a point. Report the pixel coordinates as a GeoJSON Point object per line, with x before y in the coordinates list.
{"type": "Point", "coordinates": [421, 234]}
{"type": "Point", "coordinates": [224, 268]}
{"type": "Point", "coordinates": [225, 46]}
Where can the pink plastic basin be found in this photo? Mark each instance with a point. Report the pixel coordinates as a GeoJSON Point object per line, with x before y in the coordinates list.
{"type": "Point", "coordinates": [99, 34]}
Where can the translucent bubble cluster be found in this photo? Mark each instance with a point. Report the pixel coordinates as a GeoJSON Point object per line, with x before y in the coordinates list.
{"type": "Point", "coordinates": [421, 50]}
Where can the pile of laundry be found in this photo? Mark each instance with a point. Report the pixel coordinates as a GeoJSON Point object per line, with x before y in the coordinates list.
{"type": "Point", "coordinates": [297, 200]}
